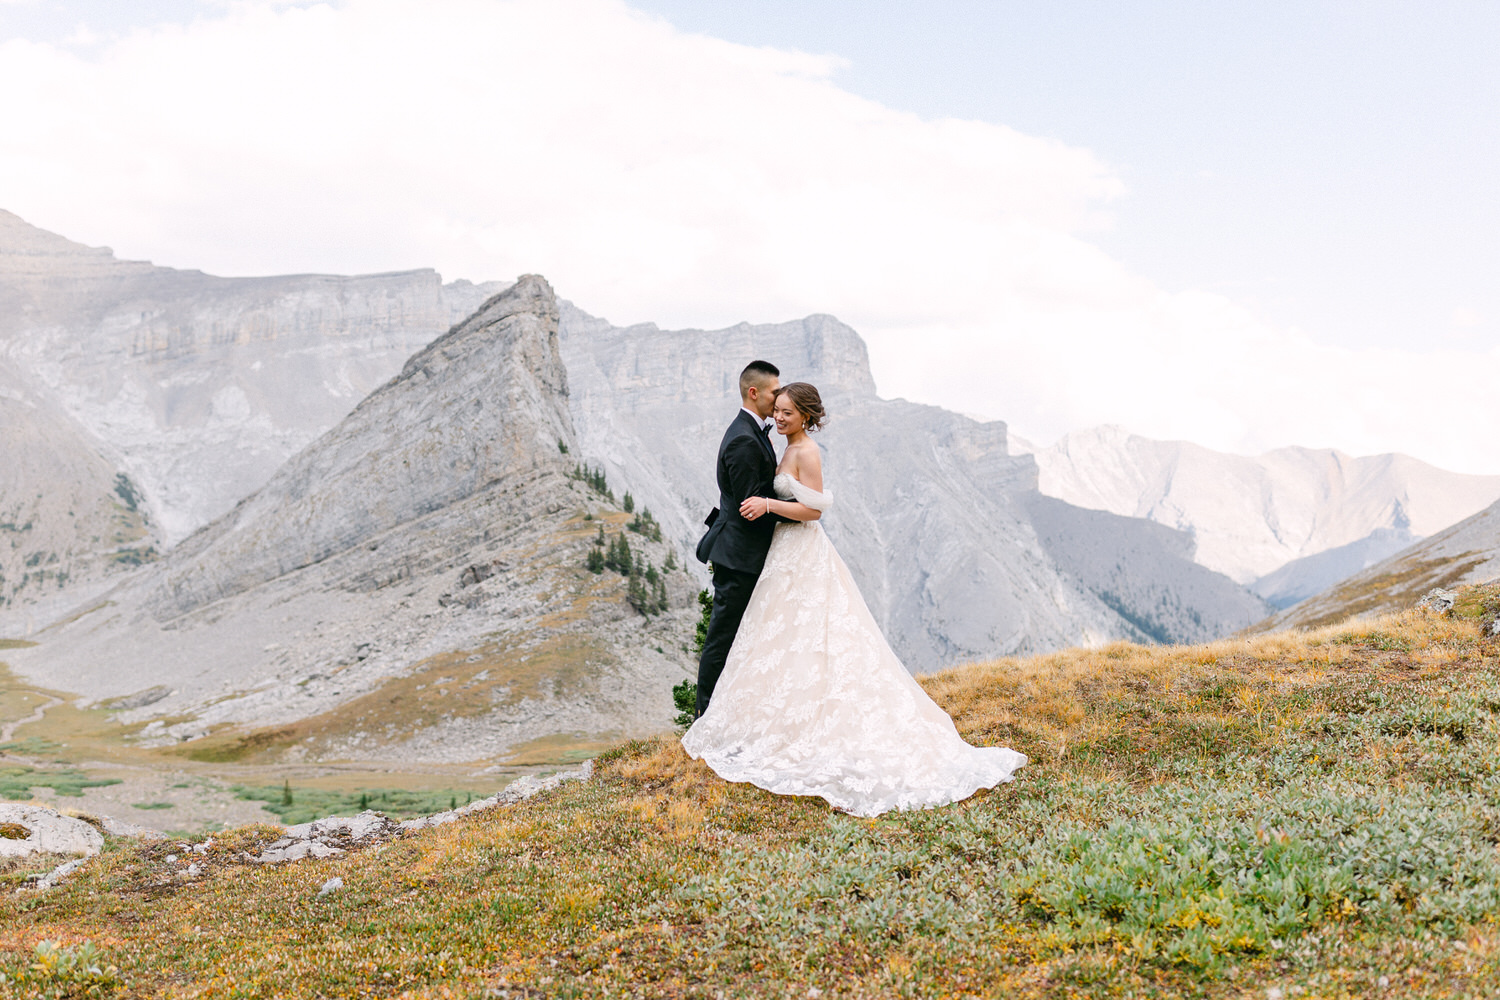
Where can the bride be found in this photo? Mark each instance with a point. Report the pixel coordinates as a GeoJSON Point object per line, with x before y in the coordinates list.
{"type": "Point", "coordinates": [812, 700]}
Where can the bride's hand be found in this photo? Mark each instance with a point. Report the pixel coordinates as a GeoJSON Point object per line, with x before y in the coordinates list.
{"type": "Point", "coordinates": [754, 507]}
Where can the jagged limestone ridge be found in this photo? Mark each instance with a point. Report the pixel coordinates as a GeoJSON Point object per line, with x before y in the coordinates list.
{"type": "Point", "coordinates": [484, 404]}
{"type": "Point", "coordinates": [200, 386]}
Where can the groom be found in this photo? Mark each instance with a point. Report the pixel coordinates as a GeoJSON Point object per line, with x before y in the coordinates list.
{"type": "Point", "coordinates": [737, 547]}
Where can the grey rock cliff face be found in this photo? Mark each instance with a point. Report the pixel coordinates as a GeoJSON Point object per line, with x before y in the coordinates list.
{"type": "Point", "coordinates": [1144, 572]}
{"type": "Point", "coordinates": [200, 387]}
{"type": "Point", "coordinates": [932, 512]}
{"type": "Point", "coordinates": [411, 586]}
{"type": "Point", "coordinates": [68, 518]}
{"type": "Point", "coordinates": [483, 405]}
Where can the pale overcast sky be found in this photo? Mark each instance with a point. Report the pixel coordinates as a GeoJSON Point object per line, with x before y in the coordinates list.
{"type": "Point", "coordinates": [1333, 164]}
{"type": "Point", "coordinates": [1245, 224]}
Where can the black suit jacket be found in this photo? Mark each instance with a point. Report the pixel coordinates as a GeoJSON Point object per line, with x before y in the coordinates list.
{"type": "Point", "coordinates": [747, 468]}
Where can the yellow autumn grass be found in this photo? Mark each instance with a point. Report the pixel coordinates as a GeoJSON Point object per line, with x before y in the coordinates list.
{"type": "Point", "coordinates": [1059, 701]}
{"type": "Point", "coordinates": [583, 891]}
{"type": "Point", "coordinates": [1047, 706]}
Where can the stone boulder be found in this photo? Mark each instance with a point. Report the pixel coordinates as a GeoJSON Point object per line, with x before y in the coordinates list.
{"type": "Point", "coordinates": [28, 829]}
{"type": "Point", "coordinates": [1439, 600]}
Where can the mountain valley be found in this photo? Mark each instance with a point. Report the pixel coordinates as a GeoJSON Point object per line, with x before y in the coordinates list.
{"type": "Point", "coordinates": [1464, 554]}
{"type": "Point", "coordinates": [1286, 524]}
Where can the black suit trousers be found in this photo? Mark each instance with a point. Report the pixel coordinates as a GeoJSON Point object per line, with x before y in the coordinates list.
{"type": "Point", "coordinates": [732, 590]}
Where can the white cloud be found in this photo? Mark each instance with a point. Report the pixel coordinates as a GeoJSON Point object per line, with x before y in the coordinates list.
{"type": "Point", "coordinates": [1465, 318]}
{"type": "Point", "coordinates": [656, 175]}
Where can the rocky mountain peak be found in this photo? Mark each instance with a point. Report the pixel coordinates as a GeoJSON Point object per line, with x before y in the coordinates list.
{"type": "Point", "coordinates": [483, 407]}
{"type": "Point", "coordinates": [532, 300]}
{"type": "Point", "coordinates": [20, 239]}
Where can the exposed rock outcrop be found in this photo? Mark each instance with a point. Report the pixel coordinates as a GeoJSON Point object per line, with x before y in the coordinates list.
{"type": "Point", "coordinates": [32, 829]}
{"type": "Point", "coordinates": [484, 406]}
{"type": "Point", "coordinates": [1144, 572]}
{"type": "Point", "coordinates": [200, 387]}
{"type": "Point", "coordinates": [68, 517]}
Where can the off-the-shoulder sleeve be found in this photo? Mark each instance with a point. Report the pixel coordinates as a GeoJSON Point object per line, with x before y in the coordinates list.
{"type": "Point", "coordinates": [810, 497]}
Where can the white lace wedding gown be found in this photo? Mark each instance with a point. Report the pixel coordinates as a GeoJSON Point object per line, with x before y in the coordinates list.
{"type": "Point", "coordinates": [813, 701]}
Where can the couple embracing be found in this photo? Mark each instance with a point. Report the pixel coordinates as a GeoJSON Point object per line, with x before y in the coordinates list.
{"type": "Point", "coordinates": [798, 690]}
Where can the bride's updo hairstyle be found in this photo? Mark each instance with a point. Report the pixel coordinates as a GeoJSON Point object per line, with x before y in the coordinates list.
{"type": "Point", "coordinates": [808, 403]}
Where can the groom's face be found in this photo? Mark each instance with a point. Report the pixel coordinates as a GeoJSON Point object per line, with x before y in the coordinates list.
{"type": "Point", "coordinates": [762, 398]}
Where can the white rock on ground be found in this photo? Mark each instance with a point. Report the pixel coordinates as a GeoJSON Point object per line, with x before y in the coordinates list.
{"type": "Point", "coordinates": [523, 787]}
{"type": "Point", "coordinates": [1439, 600]}
{"type": "Point", "coordinates": [46, 832]}
{"type": "Point", "coordinates": [56, 875]}
{"type": "Point", "coordinates": [324, 838]}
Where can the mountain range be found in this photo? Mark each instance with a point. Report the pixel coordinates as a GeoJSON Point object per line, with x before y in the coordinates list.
{"type": "Point", "coordinates": [940, 525]}
{"type": "Point", "coordinates": [182, 391]}
{"type": "Point", "coordinates": [1287, 524]}
{"type": "Point", "coordinates": [292, 516]}
{"type": "Point", "coordinates": [1464, 553]}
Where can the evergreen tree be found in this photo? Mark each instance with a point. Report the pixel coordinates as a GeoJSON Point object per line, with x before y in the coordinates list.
{"type": "Point", "coordinates": [671, 563]}
{"type": "Point", "coordinates": [618, 558]}
{"type": "Point", "coordinates": [705, 612]}
{"type": "Point", "coordinates": [645, 524]}
{"type": "Point", "coordinates": [628, 503]}
{"type": "Point", "coordinates": [595, 561]}
{"type": "Point", "coordinates": [648, 591]}
{"type": "Point", "coordinates": [638, 596]}
{"type": "Point", "coordinates": [685, 697]}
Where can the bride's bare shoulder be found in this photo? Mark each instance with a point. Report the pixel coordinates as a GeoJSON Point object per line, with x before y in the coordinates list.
{"type": "Point", "coordinates": [808, 465]}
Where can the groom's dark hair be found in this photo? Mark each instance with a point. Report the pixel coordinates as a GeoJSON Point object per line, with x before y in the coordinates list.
{"type": "Point", "coordinates": [757, 373]}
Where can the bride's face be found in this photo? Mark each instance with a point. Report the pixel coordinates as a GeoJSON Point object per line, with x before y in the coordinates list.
{"type": "Point", "coordinates": [788, 419]}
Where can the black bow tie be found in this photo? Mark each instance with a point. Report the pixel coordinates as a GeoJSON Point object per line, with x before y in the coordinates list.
{"type": "Point", "coordinates": [765, 431]}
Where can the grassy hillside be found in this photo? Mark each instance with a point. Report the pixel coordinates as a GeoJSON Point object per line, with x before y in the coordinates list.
{"type": "Point", "coordinates": [1312, 813]}
{"type": "Point", "coordinates": [1465, 553]}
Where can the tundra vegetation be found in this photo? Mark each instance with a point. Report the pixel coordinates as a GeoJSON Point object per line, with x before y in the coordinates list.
{"type": "Point", "coordinates": [1297, 814]}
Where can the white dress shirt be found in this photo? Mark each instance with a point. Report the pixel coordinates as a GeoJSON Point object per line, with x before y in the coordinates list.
{"type": "Point", "coordinates": [765, 422]}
